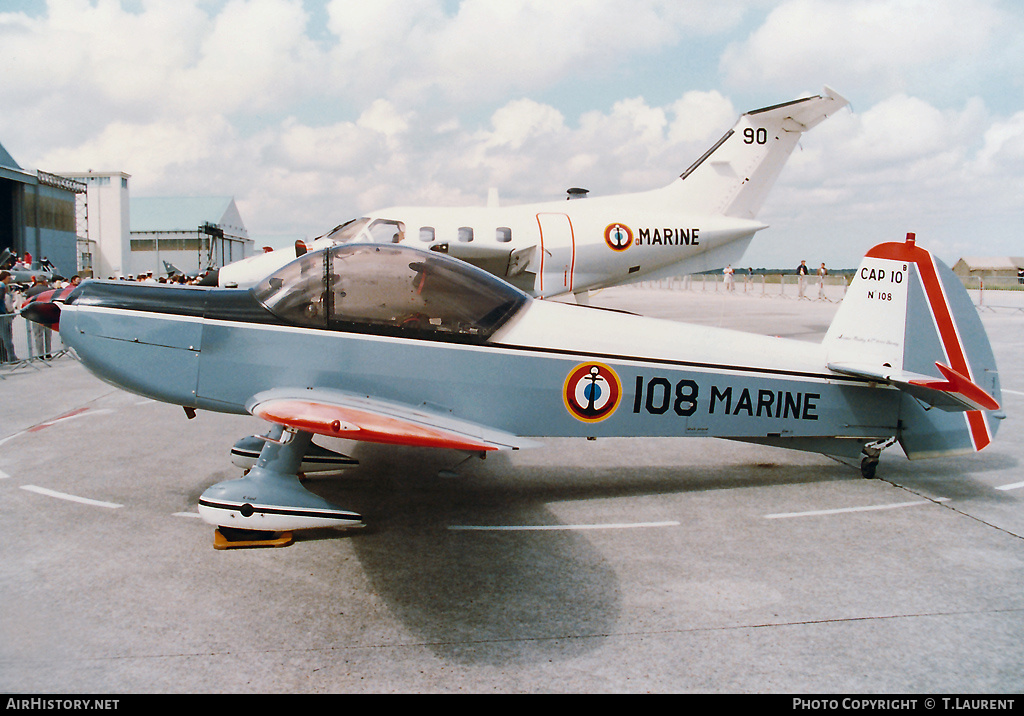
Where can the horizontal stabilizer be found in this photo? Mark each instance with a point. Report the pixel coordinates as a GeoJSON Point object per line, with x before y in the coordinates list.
{"type": "Point", "coordinates": [954, 392]}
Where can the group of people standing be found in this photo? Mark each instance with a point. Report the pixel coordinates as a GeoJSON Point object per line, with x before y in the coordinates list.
{"type": "Point", "coordinates": [11, 300]}
{"type": "Point", "coordinates": [729, 273]}
{"type": "Point", "coordinates": [802, 271]}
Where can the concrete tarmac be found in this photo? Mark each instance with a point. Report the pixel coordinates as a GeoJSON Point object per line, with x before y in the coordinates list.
{"type": "Point", "coordinates": [643, 565]}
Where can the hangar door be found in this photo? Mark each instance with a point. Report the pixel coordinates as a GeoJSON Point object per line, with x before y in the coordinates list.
{"type": "Point", "coordinates": [9, 192]}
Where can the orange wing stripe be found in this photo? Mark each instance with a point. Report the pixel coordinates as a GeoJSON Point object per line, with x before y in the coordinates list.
{"type": "Point", "coordinates": [343, 422]}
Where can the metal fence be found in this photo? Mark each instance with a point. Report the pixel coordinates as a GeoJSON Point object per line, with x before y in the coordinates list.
{"type": "Point", "coordinates": [992, 294]}
{"type": "Point", "coordinates": [26, 344]}
{"type": "Point", "coordinates": [996, 293]}
{"type": "Point", "coordinates": [781, 286]}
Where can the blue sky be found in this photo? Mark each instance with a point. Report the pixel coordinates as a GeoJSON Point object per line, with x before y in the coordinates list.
{"type": "Point", "coordinates": [312, 112]}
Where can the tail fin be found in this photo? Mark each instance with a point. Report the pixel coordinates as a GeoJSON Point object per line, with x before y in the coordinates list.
{"type": "Point", "coordinates": [735, 175]}
{"type": "Point", "coordinates": [908, 321]}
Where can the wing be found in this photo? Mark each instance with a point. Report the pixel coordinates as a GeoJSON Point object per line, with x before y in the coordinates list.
{"type": "Point", "coordinates": [952, 392]}
{"type": "Point", "coordinates": [344, 415]}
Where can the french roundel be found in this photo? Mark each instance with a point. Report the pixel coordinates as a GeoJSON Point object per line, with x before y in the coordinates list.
{"type": "Point", "coordinates": [592, 392]}
{"type": "Point", "coordinates": [619, 237]}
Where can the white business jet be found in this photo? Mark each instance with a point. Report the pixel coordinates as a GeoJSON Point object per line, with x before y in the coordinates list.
{"type": "Point", "coordinates": [703, 220]}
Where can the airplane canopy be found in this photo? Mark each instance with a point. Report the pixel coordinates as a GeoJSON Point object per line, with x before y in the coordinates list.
{"type": "Point", "coordinates": [382, 231]}
{"type": "Point", "coordinates": [390, 289]}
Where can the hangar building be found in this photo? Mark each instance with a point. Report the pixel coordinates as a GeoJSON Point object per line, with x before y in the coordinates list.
{"type": "Point", "coordinates": [132, 235]}
{"type": "Point", "coordinates": [39, 215]}
{"type": "Point", "coordinates": [191, 234]}
{"type": "Point", "coordinates": [989, 267]}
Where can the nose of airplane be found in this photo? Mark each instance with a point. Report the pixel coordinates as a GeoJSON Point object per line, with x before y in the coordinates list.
{"type": "Point", "coordinates": [44, 308]}
{"type": "Point", "coordinates": [144, 338]}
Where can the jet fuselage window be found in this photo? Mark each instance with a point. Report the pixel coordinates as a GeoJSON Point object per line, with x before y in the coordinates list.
{"type": "Point", "coordinates": [466, 234]}
{"type": "Point", "coordinates": [390, 290]}
{"type": "Point", "coordinates": [426, 233]}
{"type": "Point", "coordinates": [503, 234]}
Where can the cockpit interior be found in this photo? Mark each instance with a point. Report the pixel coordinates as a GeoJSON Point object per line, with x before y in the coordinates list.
{"type": "Point", "coordinates": [390, 289]}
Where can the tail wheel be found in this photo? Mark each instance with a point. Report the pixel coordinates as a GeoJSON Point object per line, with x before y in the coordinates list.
{"type": "Point", "coordinates": [868, 466]}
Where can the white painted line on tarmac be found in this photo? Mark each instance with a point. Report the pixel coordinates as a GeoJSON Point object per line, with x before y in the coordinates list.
{"type": "Point", "coordinates": [1011, 486]}
{"type": "Point", "coordinates": [3, 475]}
{"type": "Point", "coordinates": [70, 498]}
{"type": "Point", "coordinates": [11, 437]}
{"type": "Point", "coordinates": [539, 528]}
{"type": "Point", "coordinates": [868, 508]}
{"type": "Point", "coordinates": [186, 514]}
{"type": "Point", "coordinates": [1012, 392]}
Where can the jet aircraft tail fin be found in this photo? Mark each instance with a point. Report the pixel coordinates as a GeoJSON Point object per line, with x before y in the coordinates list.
{"type": "Point", "coordinates": [735, 175]}
{"type": "Point", "coordinates": [907, 321]}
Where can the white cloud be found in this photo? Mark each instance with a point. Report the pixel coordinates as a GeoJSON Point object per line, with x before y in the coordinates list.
{"type": "Point", "coordinates": [418, 51]}
{"type": "Point", "coordinates": [861, 44]}
{"type": "Point", "coordinates": [699, 116]}
{"type": "Point", "coordinates": [430, 101]}
{"type": "Point", "coordinates": [84, 65]}
{"type": "Point", "coordinates": [902, 165]}
{"type": "Point", "coordinates": [903, 151]}
{"type": "Point", "coordinates": [340, 147]}
{"type": "Point", "coordinates": [254, 54]}
{"type": "Point", "coordinates": [1004, 146]}
{"type": "Point", "coordinates": [153, 152]}
{"type": "Point", "coordinates": [520, 120]}
{"type": "Point", "coordinates": [383, 117]}
{"type": "Point", "coordinates": [903, 129]}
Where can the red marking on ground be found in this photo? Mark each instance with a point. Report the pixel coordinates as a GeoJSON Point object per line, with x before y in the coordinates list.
{"type": "Point", "coordinates": [48, 423]}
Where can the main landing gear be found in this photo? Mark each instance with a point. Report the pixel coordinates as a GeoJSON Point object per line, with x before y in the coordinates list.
{"type": "Point", "coordinates": [263, 507]}
{"type": "Point", "coordinates": [870, 452]}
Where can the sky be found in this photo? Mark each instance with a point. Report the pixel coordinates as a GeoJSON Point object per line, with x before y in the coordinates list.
{"type": "Point", "coordinates": [312, 112]}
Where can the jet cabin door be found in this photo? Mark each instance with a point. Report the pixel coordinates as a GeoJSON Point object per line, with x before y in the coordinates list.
{"type": "Point", "coordinates": [557, 254]}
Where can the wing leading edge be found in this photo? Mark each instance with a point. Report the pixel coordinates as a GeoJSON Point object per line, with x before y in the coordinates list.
{"type": "Point", "coordinates": [343, 415]}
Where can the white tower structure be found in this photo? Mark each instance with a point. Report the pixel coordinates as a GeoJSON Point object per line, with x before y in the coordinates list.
{"type": "Point", "coordinates": [109, 220]}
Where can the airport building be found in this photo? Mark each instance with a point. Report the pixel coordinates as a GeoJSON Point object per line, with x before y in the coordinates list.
{"type": "Point", "coordinates": [129, 236]}
{"type": "Point", "coordinates": [185, 234]}
{"type": "Point", "coordinates": [104, 249]}
{"type": "Point", "coordinates": [41, 214]}
{"type": "Point", "coordinates": [1002, 267]}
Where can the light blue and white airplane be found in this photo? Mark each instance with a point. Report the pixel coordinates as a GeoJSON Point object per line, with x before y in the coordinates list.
{"type": "Point", "coordinates": [392, 344]}
{"type": "Point", "coordinates": [701, 221]}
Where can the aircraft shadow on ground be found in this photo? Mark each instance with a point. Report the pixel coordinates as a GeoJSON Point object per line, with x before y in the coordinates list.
{"type": "Point", "coordinates": [475, 597]}
{"type": "Point", "coordinates": [500, 597]}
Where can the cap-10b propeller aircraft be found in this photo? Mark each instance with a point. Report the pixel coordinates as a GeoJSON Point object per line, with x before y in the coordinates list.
{"type": "Point", "coordinates": [392, 344]}
{"type": "Point", "coordinates": [701, 221]}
